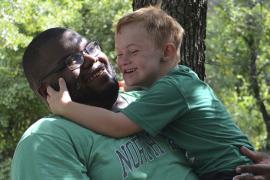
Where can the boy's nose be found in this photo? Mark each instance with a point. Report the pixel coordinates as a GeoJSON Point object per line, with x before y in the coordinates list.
{"type": "Point", "coordinates": [123, 61]}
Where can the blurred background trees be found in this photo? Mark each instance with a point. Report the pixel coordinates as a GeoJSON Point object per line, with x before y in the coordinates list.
{"type": "Point", "coordinates": [237, 58]}
{"type": "Point", "coordinates": [19, 22]}
{"type": "Point", "coordinates": [238, 63]}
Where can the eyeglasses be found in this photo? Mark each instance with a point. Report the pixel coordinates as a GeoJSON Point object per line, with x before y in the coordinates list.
{"type": "Point", "coordinates": [74, 61]}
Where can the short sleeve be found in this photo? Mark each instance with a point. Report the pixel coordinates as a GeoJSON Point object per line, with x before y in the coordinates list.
{"type": "Point", "coordinates": [159, 105]}
{"type": "Point", "coordinates": [51, 149]}
{"type": "Point", "coordinates": [40, 157]}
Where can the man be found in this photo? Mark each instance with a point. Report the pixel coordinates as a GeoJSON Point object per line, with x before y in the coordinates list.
{"type": "Point", "coordinates": [55, 148]}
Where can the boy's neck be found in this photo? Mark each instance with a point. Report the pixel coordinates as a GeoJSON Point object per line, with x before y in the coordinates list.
{"type": "Point", "coordinates": [166, 68]}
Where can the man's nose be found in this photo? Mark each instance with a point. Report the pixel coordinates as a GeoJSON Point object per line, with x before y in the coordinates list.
{"type": "Point", "coordinates": [89, 61]}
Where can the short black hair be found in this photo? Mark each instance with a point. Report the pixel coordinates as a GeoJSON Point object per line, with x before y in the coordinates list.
{"type": "Point", "coordinates": [33, 58]}
{"type": "Point", "coordinates": [32, 52]}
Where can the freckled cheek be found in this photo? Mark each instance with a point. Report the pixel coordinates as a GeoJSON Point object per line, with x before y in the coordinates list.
{"type": "Point", "coordinates": [147, 65]}
{"type": "Point", "coordinates": [118, 62]}
{"type": "Point", "coordinates": [121, 62]}
{"type": "Point", "coordinates": [121, 69]}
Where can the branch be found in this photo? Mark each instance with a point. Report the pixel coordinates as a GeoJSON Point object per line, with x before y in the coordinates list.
{"type": "Point", "coordinates": [263, 67]}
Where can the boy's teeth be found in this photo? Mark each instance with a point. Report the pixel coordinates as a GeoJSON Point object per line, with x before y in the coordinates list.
{"type": "Point", "coordinates": [130, 70]}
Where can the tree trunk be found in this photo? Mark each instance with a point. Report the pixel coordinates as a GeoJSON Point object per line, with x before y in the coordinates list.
{"type": "Point", "coordinates": [191, 14]}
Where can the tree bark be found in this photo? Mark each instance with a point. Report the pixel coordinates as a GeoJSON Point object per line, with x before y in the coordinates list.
{"type": "Point", "coordinates": [191, 14]}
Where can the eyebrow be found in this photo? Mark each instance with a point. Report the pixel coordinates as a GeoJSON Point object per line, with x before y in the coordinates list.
{"type": "Point", "coordinates": [128, 46]}
{"type": "Point", "coordinates": [131, 44]}
{"type": "Point", "coordinates": [66, 56]}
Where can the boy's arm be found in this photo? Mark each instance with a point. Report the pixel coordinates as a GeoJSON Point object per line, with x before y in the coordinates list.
{"type": "Point", "coordinates": [98, 119]}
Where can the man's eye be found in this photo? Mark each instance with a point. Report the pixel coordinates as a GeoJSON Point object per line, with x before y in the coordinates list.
{"type": "Point", "coordinates": [93, 51]}
{"type": "Point", "coordinates": [71, 62]}
{"type": "Point", "coordinates": [73, 59]}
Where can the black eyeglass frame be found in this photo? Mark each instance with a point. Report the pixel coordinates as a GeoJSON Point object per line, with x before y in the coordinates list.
{"type": "Point", "coordinates": [92, 48]}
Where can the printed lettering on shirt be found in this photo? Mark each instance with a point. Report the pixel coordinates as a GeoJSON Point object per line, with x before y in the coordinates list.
{"type": "Point", "coordinates": [140, 149]}
{"type": "Point", "coordinates": [173, 145]}
{"type": "Point", "coordinates": [190, 158]}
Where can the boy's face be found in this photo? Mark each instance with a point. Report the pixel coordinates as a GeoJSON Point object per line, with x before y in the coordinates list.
{"type": "Point", "coordinates": [137, 56]}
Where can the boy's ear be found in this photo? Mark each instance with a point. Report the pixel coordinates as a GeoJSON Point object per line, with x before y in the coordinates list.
{"type": "Point", "coordinates": [170, 52]}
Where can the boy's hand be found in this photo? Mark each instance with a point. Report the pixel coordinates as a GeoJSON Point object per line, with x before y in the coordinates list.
{"type": "Point", "coordinates": [261, 168]}
{"type": "Point", "coordinates": [58, 100]}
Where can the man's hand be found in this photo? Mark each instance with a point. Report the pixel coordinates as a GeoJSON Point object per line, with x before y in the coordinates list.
{"type": "Point", "coordinates": [57, 100]}
{"type": "Point", "coordinates": [261, 168]}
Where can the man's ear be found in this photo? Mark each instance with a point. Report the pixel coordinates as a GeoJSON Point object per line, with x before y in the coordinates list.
{"type": "Point", "coordinates": [42, 90]}
{"type": "Point", "coordinates": [170, 52]}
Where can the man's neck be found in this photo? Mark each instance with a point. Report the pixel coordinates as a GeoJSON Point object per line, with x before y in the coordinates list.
{"type": "Point", "coordinates": [120, 103]}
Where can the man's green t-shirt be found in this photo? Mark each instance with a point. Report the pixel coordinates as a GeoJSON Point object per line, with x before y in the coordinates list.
{"type": "Point", "coordinates": [184, 108]}
{"type": "Point", "coordinates": [55, 148]}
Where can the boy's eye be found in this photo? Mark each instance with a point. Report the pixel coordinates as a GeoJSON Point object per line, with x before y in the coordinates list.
{"type": "Point", "coordinates": [119, 55]}
{"type": "Point", "coordinates": [134, 51]}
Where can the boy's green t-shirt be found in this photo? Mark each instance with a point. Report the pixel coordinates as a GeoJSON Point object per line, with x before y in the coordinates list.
{"type": "Point", "coordinates": [184, 108]}
{"type": "Point", "coordinates": [55, 148]}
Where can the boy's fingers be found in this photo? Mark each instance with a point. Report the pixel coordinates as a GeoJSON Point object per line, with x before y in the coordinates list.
{"type": "Point", "coordinates": [62, 84]}
{"type": "Point", "coordinates": [50, 90]}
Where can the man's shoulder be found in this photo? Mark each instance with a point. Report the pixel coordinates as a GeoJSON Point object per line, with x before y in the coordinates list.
{"type": "Point", "coordinates": [50, 143]}
{"type": "Point", "coordinates": [55, 126]}
{"type": "Point", "coordinates": [52, 121]}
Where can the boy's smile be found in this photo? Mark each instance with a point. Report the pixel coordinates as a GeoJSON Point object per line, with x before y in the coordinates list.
{"type": "Point", "coordinates": [129, 73]}
{"type": "Point", "coordinates": [130, 70]}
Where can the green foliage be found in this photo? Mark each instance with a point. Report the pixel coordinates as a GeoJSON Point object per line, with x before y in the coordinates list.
{"type": "Point", "coordinates": [20, 21]}
{"type": "Point", "coordinates": [5, 169]}
{"type": "Point", "coordinates": [229, 57]}
{"type": "Point", "coordinates": [19, 108]}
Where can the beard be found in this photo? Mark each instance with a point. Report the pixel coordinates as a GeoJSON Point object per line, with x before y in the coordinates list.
{"type": "Point", "coordinates": [91, 94]}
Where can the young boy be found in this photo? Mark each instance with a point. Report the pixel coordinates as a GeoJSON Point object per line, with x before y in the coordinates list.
{"type": "Point", "coordinates": [176, 103]}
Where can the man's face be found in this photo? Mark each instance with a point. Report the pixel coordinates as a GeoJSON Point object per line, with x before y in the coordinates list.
{"type": "Point", "coordinates": [91, 82]}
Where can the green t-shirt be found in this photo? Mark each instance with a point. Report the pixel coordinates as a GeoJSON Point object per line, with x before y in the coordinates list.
{"type": "Point", "coordinates": [55, 148]}
{"type": "Point", "coordinates": [184, 108]}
